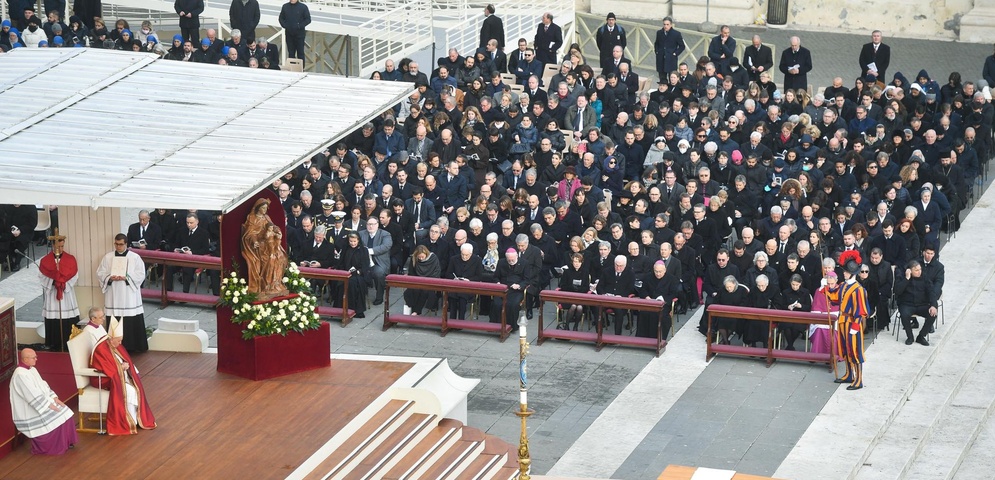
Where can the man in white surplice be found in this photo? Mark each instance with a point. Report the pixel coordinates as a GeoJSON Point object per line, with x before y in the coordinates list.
{"type": "Point", "coordinates": [121, 274]}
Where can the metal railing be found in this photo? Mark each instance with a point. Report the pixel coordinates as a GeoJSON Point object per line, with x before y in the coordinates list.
{"type": "Point", "coordinates": [640, 37]}
{"type": "Point", "coordinates": [405, 28]}
{"type": "Point", "coordinates": [520, 20]}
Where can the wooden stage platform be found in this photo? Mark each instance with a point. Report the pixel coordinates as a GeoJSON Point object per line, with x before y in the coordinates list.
{"type": "Point", "coordinates": [213, 425]}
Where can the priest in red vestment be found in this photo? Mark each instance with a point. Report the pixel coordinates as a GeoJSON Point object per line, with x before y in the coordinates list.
{"type": "Point", "coordinates": [127, 408]}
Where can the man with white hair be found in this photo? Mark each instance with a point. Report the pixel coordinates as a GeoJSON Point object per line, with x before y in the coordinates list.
{"type": "Point", "coordinates": [617, 281]}
{"type": "Point", "coordinates": [517, 277]}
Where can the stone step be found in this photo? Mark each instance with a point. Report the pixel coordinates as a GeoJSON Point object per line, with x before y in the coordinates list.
{"type": "Point", "coordinates": [940, 389]}
{"type": "Point", "coordinates": [980, 459]}
{"type": "Point", "coordinates": [960, 423]}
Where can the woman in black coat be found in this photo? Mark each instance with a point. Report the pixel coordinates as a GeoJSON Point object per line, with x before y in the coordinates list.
{"type": "Point", "coordinates": [422, 263]}
{"type": "Point", "coordinates": [355, 259]}
{"type": "Point", "coordinates": [656, 285]}
{"type": "Point", "coordinates": [763, 295]}
{"type": "Point", "coordinates": [795, 298]}
{"type": "Point", "coordinates": [732, 294]}
{"type": "Point", "coordinates": [577, 279]}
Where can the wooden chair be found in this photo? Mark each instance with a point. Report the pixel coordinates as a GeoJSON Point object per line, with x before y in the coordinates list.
{"type": "Point", "coordinates": [91, 399]}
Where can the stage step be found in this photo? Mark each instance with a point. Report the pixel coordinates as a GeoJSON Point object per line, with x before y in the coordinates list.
{"type": "Point", "coordinates": [379, 458]}
{"type": "Point", "coordinates": [386, 420]}
{"type": "Point", "coordinates": [452, 462]}
{"type": "Point", "coordinates": [405, 440]}
{"type": "Point", "coordinates": [484, 466]}
{"type": "Point", "coordinates": [440, 439]}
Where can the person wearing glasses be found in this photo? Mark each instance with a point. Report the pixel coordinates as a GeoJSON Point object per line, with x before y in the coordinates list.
{"type": "Point", "coordinates": [530, 67]}
{"type": "Point", "coordinates": [712, 281]}
{"type": "Point", "coordinates": [121, 273]}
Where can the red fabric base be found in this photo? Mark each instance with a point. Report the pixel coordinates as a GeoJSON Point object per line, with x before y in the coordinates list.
{"type": "Point", "coordinates": [273, 356]}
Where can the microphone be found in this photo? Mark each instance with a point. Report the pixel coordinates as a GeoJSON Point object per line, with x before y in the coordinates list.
{"type": "Point", "coordinates": [30, 260]}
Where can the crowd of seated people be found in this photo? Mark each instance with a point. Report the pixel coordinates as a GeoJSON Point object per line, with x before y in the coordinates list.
{"type": "Point", "coordinates": [734, 188]}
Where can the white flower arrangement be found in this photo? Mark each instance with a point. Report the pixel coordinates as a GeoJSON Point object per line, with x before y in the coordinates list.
{"type": "Point", "coordinates": [275, 317]}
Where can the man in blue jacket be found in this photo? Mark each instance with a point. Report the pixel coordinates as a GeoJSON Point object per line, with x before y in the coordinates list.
{"type": "Point", "coordinates": [294, 18]}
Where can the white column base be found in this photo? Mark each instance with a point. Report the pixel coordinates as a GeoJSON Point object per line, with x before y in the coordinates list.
{"type": "Point", "coordinates": [720, 12]}
{"type": "Point", "coordinates": [976, 25]}
{"type": "Point", "coordinates": [192, 342]}
{"type": "Point", "coordinates": [644, 9]}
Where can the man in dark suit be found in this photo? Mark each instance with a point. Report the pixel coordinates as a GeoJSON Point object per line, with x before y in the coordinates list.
{"type": "Point", "coordinates": [455, 189]}
{"type": "Point", "coordinates": [631, 81]}
{"type": "Point", "coordinates": [144, 235]}
{"type": "Point", "coordinates": [617, 58]}
{"type": "Point", "coordinates": [422, 211]}
{"type": "Point", "coordinates": [517, 56]}
{"type": "Point", "coordinates": [668, 47]}
{"type": "Point", "coordinates": [757, 58]}
{"type": "Point", "coordinates": [194, 241]}
{"type": "Point", "coordinates": [617, 281]}
{"type": "Point", "coordinates": [189, 12]}
{"type": "Point", "coordinates": [531, 67]}
{"type": "Point", "coordinates": [265, 50]}
{"type": "Point", "coordinates": [532, 257]}
{"type": "Point", "coordinates": [608, 37]}
{"type": "Point", "coordinates": [492, 28]}
{"type": "Point", "coordinates": [497, 57]}
{"type": "Point", "coordinates": [876, 53]}
{"type": "Point", "coordinates": [721, 49]}
{"type": "Point", "coordinates": [548, 39]}
{"type": "Point", "coordinates": [513, 178]}
{"type": "Point", "coordinates": [319, 253]}
{"type": "Point", "coordinates": [796, 62]}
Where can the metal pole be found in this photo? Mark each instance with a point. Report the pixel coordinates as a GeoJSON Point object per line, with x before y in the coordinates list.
{"type": "Point", "coordinates": [524, 458]}
{"type": "Point", "coordinates": [348, 55]}
{"type": "Point", "coordinates": [708, 9]}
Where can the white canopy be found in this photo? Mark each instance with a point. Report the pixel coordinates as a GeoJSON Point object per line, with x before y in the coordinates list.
{"type": "Point", "coordinates": [103, 128]}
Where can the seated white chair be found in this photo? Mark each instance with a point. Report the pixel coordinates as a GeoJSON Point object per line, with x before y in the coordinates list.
{"type": "Point", "coordinates": [44, 223]}
{"type": "Point", "coordinates": [91, 399]}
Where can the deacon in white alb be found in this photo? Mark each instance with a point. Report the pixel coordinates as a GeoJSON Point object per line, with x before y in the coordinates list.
{"type": "Point", "coordinates": [121, 274]}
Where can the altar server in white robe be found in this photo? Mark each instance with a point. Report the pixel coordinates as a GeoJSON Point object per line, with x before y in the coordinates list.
{"type": "Point", "coordinates": [121, 274]}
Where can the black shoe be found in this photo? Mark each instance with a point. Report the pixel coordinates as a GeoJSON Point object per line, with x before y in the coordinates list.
{"type": "Point", "coordinates": [922, 341]}
{"type": "Point", "coordinates": [915, 323]}
{"type": "Point", "coordinates": [909, 341]}
{"type": "Point", "coordinates": [42, 243]}
{"type": "Point", "coordinates": [359, 315]}
{"type": "Point", "coordinates": [561, 326]}
{"type": "Point", "coordinates": [528, 314]}
{"type": "Point", "coordinates": [843, 380]}
{"type": "Point", "coordinates": [378, 301]}
{"type": "Point", "coordinates": [932, 329]}
{"type": "Point", "coordinates": [854, 387]}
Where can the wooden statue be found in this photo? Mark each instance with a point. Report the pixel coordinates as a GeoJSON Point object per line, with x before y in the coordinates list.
{"type": "Point", "coordinates": [263, 251]}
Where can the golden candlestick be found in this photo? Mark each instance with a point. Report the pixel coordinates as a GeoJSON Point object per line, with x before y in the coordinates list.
{"type": "Point", "coordinates": [524, 457]}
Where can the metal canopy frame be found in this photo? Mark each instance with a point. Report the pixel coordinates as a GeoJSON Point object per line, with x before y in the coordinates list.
{"type": "Point", "coordinates": [104, 128]}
